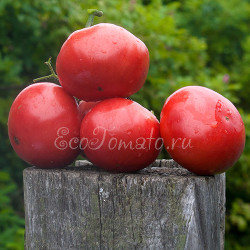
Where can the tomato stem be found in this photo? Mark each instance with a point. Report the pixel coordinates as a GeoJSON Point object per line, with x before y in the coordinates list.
{"type": "Point", "coordinates": [92, 13]}
{"type": "Point", "coordinates": [52, 75]}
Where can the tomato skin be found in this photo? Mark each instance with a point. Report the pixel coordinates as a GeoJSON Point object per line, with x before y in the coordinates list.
{"type": "Point", "coordinates": [102, 61]}
{"type": "Point", "coordinates": [39, 115]}
{"type": "Point", "coordinates": [85, 107]}
{"type": "Point", "coordinates": [114, 123]}
{"type": "Point", "coordinates": [202, 130]}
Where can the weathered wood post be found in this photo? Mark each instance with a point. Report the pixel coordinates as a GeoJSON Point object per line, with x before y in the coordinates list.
{"type": "Point", "coordinates": [161, 207]}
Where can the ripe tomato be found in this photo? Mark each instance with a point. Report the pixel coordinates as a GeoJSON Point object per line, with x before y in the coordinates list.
{"type": "Point", "coordinates": [85, 107]}
{"type": "Point", "coordinates": [44, 126]}
{"type": "Point", "coordinates": [202, 130]}
{"type": "Point", "coordinates": [102, 61]}
{"type": "Point", "coordinates": [120, 135]}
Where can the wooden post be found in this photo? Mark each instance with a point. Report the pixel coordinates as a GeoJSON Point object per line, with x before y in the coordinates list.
{"type": "Point", "coordinates": [161, 207]}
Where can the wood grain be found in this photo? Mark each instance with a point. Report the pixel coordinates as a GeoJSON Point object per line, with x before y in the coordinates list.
{"type": "Point", "coordinates": [161, 207]}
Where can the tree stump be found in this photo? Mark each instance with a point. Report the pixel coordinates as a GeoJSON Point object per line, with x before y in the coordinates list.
{"type": "Point", "coordinates": [161, 207]}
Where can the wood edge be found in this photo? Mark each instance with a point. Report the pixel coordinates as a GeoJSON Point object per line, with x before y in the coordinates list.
{"type": "Point", "coordinates": [160, 167]}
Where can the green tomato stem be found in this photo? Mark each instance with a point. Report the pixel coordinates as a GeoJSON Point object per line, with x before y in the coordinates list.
{"type": "Point", "coordinates": [92, 13]}
{"type": "Point", "coordinates": [52, 75]}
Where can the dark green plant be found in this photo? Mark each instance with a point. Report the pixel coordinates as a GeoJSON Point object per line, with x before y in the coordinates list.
{"type": "Point", "coordinates": [11, 224]}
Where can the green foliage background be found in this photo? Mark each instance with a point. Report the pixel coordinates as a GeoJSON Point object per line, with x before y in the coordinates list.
{"type": "Point", "coordinates": [191, 42]}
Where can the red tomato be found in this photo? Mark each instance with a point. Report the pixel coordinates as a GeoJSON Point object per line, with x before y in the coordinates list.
{"type": "Point", "coordinates": [202, 130]}
{"type": "Point", "coordinates": [85, 107]}
{"type": "Point", "coordinates": [44, 126]}
{"type": "Point", "coordinates": [102, 61]}
{"type": "Point", "coordinates": [120, 135]}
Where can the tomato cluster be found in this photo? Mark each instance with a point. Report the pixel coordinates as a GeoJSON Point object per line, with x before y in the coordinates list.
{"type": "Point", "coordinates": [103, 65]}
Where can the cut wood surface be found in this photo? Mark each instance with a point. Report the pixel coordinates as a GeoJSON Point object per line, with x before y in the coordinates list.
{"type": "Point", "coordinates": [161, 207]}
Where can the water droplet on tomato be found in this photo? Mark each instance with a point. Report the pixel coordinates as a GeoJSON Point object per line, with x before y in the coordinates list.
{"type": "Point", "coordinates": [196, 131]}
{"type": "Point", "coordinates": [114, 42]}
{"type": "Point", "coordinates": [219, 106]}
{"type": "Point", "coordinates": [214, 124]}
{"type": "Point", "coordinates": [229, 112]}
{"type": "Point", "coordinates": [104, 51]}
